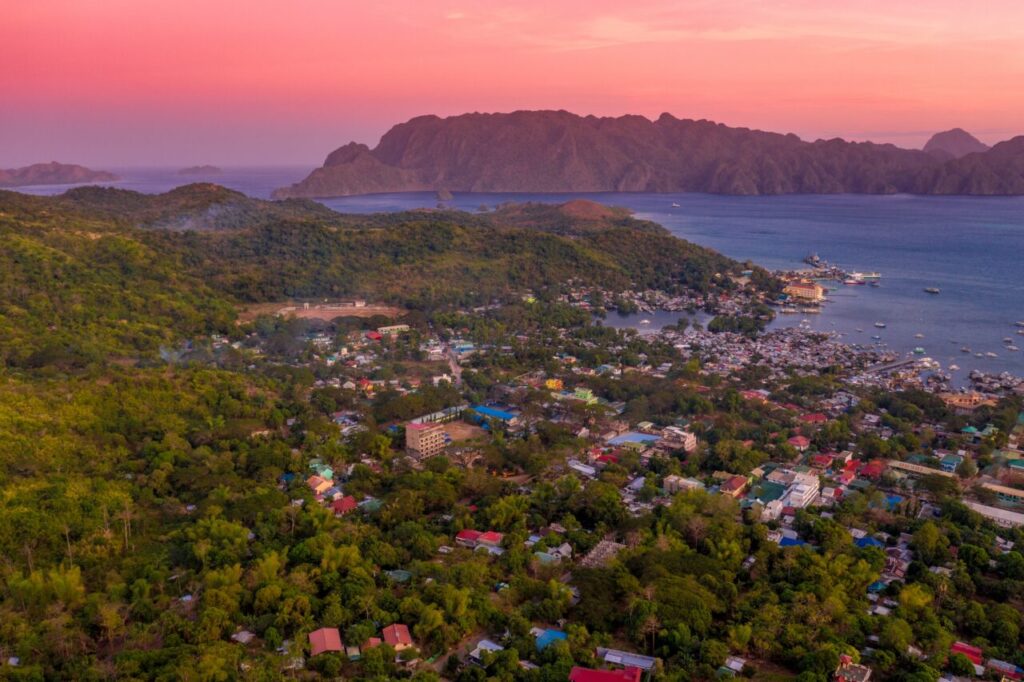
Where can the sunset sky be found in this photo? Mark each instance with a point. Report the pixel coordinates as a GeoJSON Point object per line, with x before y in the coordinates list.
{"type": "Point", "coordinates": [133, 82]}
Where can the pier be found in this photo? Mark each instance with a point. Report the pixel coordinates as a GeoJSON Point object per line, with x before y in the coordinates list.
{"type": "Point", "coordinates": [889, 366]}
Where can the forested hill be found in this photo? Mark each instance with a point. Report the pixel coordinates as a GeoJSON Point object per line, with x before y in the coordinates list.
{"type": "Point", "coordinates": [100, 272]}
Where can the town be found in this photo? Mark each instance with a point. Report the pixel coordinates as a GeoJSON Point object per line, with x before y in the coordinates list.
{"type": "Point", "coordinates": [794, 432]}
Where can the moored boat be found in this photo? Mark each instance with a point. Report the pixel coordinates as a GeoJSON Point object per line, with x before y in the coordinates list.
{"type": "Point", "coordinates": [931, 290]}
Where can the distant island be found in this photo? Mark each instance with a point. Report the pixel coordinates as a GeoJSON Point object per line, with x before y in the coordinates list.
{"type": "Point", "coordinates": [557, 151]}
{"type": "Point", "coordinates": [201, 170]}
{"type": "Point", "coordinates": [52, 173]}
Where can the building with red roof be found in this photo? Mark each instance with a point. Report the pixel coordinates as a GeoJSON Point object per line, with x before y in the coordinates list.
{"type": "Point", "coordinates": [814, 418]}
{"type": "Point", "coordinates": [397, 636]}
{"type": "Point", "coordinates": [578, 674]}
{"type": "Point", "coordinates": [971, 652]}
{"type": "Point", "coordinates": [821, 461]}
{"type": "Point", "coordinates": [344, 505]}
{"type": "Point", "coordinates": [492, 538]}
{"type": "Point", "coordinates": [734, 486]}
{"type": "Point", "coordinates": [873, 469]}
{"type": "Point", "coordinates": [801, 443]}
{"type": "Point", "coordinates": [324, 640]}
{"type": "Point", "coordinates": [467, 538]}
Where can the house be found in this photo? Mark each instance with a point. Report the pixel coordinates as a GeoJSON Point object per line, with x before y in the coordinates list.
{"type": "Point", "coordinates": [626, 659]}
{"type": "Point", "coordinates": [397, 636]}
{"type": "Point", "coordinates": [971, 652]}
{"type": "Point", "coordinates": [579, 674]}
{"type": "Point", "coordinates": [848, 671]}
{"type": "Point", "coordinates": [467, 538]}
{"type": "Point", "coordinates": [490, 539]}
{"type": "Point", "coordinates": [674, 484]}
{"type": "Point", "coordinates": [801, 443]}
{"type": "Point", "coordinates": [318, 484]}
{"type": "Point", "coordinates": [734, 486]}
{"type": "Point", "coordinates": [325, 640]}
{"type": "Point", "coordinates": [484, 645]}
{"type": "Point", "coordinates": [344, 505]}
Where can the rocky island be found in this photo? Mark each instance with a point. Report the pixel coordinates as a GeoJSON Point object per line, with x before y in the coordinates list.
{"type": "Point", "coordinates": [557, 151]}
{"type": "Point", "coordinates": [52, 173]}
{"type": "Point", "coordinates": [205, 169]}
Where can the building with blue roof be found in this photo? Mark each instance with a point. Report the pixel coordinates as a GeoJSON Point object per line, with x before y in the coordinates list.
{"type": "Point", "coordinates": [546, 638]}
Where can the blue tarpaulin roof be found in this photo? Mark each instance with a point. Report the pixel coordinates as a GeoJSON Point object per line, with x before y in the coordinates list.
{"type": "Point", "coordinates": [549, 637]}
{"type": "Point", "coordinates": [869, 542]}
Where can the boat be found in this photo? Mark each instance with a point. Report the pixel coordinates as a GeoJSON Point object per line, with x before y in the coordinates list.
{"type": "Point", "coordinates": [965, 349]}
{"type": "Point", "coordinates": [1007, 339]}
{"type": "Point", "coordinates": [854, 282]}
{"type": "Point", "coordinates": [1021, 332]}
{"type": "Point", "coordinates": [865, 275]}
{"type": "Point", "coordinates": [645, 321]}
{"type": "Point", "coordinates": [918, 336]}
{"type": "Point", "coordinates": [880, 325]}
{"type": "Point", "coordinates": [990, 354]}
{"type": "Point", "coordinates": [953, 368]}
{"type": "Point", "coordinates": [1021, 323]}
{"type": "Point", "coordinates": [859, 329]}
{"type": "Point", "coordinates": [979, 355]}
{"type": "Point", "coordinates": [1012, 347]}
{"type": "Point", "coordinates": [877, 338]}
{"type": "Point", "coordinates": [919, 351]}
{"type": "Point", "coordinates": [931, 290]}
{"type": "Point", "coordinates": [675, 205]}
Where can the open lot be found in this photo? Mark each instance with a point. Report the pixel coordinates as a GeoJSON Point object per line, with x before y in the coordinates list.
{"type": "Point", "coordinates": [461, 431]}
{"type": "Point", "coordinates": [317, 311]}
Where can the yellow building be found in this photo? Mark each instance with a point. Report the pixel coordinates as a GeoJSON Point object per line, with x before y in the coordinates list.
{"type": "Point", "coordinates": [553, 384]}
{"type": "Point", "coordinates": [804, 290]}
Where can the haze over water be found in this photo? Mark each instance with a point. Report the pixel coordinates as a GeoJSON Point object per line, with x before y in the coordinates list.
{"type": "Point", "coordinates": [972, 248]}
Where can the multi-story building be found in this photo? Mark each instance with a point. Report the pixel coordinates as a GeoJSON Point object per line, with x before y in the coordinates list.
{"type": "Point", "coordinates": [425, 440]}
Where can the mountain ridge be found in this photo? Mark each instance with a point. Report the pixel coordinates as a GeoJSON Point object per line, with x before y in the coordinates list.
{"type": "Point", "coordinates": [558, 151]}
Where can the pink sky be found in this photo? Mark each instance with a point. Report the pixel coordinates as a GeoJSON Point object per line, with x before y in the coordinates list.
{"type": "Point", "coordinates": [151, 82]}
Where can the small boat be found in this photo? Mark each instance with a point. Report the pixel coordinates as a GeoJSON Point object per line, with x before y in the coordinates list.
{"type": "Point", "coordinates": [931, 290]}
{"type": "Point", "coordinates": [953, 368]}
{"type": "Point", "coordinates": [1021, 323]}
{"type": "Point", "coordinates": [675, 205]}
{"type": "Point", "coordinates": [1012, 347]}
{"type": "Point", "coordinates": [990, 354]}
{"type": "Point", "coordinates": [918, 336]}
{"type": "Point", "coordinates": [877, 338]}
{"type": "Point", "coordinates": [979, 355]}
{"type": "Point", "coordinates": [859, 329]}
{"type": "Point", "coordinates": [880, 325]}
{"type": "Point", "coordinates": [1007, 339]}
{"type": "Point", "coordinates": [919, 351]}
{"type": "Point", "coordinates": [854, 282]}
{"type": "Point", "coordinates": [965, 349]}
{"type": "Point", "coordinates": [865, 275]}
{"type": "Point", "coordinates": [1021, 332]}
{"type": "Point", "coordinates": [645, 321]}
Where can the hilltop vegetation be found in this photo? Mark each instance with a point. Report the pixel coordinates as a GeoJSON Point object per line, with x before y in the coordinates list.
{"type": "Point", "coordinates": [105, 271]}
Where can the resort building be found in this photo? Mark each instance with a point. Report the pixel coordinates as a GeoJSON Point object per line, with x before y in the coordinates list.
{"type": "Point", "coordinates": [805, 290]}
